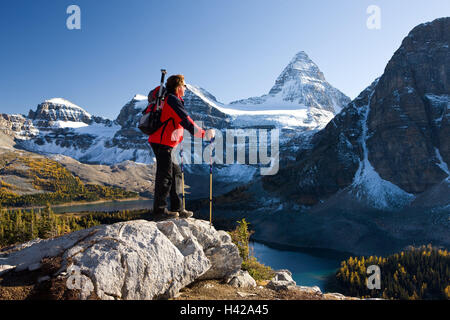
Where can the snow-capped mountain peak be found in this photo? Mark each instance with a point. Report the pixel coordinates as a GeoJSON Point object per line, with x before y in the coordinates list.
{"type": "Point", "coordinates": [301, 69]}
{"type": "Point", "coordinates": [64, 102]}
{"type": "Point", "coordinates": [139, 97]}
{"type": "Point", "coordinates": [206, 96]}
{"type": "Point", "coordinates": [300, 87]}
{"type": "Point", "coordinates": [59, 112]}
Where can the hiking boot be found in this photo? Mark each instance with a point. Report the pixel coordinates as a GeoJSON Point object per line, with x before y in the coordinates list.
{"type": "Point", "coordinates": [166, 214]}
{"type": "Point", "coordinates": [183, 213]}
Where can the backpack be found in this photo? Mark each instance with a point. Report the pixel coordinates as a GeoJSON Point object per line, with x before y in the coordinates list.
{"type": "Point", "coordinates": [150, 121]}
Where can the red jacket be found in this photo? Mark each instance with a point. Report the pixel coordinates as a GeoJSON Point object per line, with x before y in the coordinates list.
{"type": "Point", "coordinates": [174, 118]}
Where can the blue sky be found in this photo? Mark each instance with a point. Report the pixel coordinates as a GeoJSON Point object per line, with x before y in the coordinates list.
{"type": "Point", "coordinates": [233, 48]}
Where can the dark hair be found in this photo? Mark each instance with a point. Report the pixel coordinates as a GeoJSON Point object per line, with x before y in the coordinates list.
{"type": "Point", "coordinates": [173, 82]}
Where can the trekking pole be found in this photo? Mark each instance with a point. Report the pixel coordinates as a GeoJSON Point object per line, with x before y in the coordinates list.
{"type": "Point", "coordinates": [210, 184]}
{"type": "Point", "coordinates": [160, 91]}
{"type": "Point", "coordinates": [182, 176]}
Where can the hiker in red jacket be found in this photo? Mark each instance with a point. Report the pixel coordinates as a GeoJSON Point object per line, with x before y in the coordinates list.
{"type": "Point", "coordinates": [168, 174]}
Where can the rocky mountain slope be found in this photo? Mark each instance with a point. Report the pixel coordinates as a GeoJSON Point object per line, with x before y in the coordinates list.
{"type": "Point", "coordinates": [17, 177]}
{"type": "Point", "coordinates": [129, 175]}
{"type": "Point", "coordinates": [28, 179]}
{"type": "Point", "coordinates": [392, 142]}
{"type": "Point", "coordinates": [17, 126]}
{"type": "Point", "coordinates": [27, 173]}
{"type": "Point", "coordinates": [376, 178]}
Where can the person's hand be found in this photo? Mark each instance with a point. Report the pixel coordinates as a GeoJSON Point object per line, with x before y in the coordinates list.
{"type": "Point", "coordinates": [210, 133]}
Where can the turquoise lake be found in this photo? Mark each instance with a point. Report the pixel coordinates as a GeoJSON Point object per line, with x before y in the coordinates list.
{"type": "Point", "coordinates": [309, 267]}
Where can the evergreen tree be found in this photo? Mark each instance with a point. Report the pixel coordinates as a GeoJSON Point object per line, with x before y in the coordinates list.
{"type": "Point", "coordinates": [418, 273]}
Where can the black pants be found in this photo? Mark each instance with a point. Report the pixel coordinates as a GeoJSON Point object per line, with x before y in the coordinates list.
{"type": "Point", "coordinates": [168, 179]}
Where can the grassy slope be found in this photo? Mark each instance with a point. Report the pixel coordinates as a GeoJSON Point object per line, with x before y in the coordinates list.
{"type": "Point", "coordinates": [29, 179]}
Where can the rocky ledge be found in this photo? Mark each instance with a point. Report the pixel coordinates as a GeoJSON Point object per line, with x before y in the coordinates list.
{"type": "Point", "coordinates": [133, 260]}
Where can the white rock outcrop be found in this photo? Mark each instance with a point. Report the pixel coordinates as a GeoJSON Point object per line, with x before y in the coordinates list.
{"type": "Point", "coordinates": [135, 259]}
{"type": "Point", "coordinates": [241, 279]}
{"type": "Point", "coordinates": [282, 281]}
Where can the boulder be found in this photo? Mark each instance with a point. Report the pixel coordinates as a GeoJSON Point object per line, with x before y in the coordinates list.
{"type": "Point", "coordinates": [334, 296]}
{"type": "Point", "coordinates": [310, 290]}
{"type": "Point", "coordinates": [241, 279]}
{"type": "Point", "coordinates": [282, 281]}
{"type": "Point", "coordinates": [217, 246]}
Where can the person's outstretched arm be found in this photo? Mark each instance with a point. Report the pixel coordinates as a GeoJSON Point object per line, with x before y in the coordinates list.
{"type": "Point", "coordinates": [186, 121]}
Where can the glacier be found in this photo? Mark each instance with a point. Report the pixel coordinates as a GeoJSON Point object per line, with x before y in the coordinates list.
{"type": "Point", "coordinates": [368, 185]}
